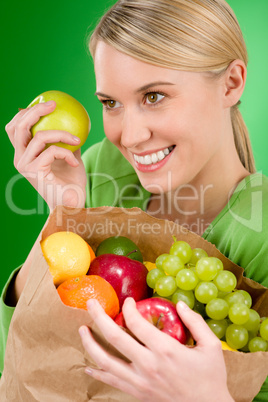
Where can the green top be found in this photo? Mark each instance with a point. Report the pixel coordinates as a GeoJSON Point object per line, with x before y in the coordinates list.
{"type": "Point", "coordinates": [112, 181]}
{"type": "Point", "coordinates": [242, 222]}
{"type": "Point", "coordinates": [240, 231]}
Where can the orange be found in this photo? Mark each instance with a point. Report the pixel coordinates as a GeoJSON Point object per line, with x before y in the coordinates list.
{"type": "Point", "coordinates": [76, 291]}
{"type": "Point", "coordinates": [67, 255]}
{"type": "Point", "coordinates": [92, 254]}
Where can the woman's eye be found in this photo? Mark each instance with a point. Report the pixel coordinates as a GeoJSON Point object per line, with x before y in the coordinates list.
{"type": "Point", "coordinates": [110, 104]}
{"type": "Point", "coordinates": [153, 97]}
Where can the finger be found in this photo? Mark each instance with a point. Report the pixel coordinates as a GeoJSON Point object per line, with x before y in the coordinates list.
{"type": "Point", "coordinates": [106, 362]}
{"type": "Point", "coordinates": [23, 135]}
{"type": "Point", "coordinates": [196, 325]}
{"type": "Point", "coordinates": [42, 138]}
{"type": "Point", "coordinates": [10, 126]}
{"type": "Point", "coordinates": [44, 161]}
{"type": "Point", "coordinates": [122, 341]}
{"type": "Point", "coordinates": [113, 381]}
{"type": "Point", "coordinates": [147, 333]}
{"type": "Point", "coordinates": [77, 153]}
{"type": "Point", "coordinates": [101, 357]}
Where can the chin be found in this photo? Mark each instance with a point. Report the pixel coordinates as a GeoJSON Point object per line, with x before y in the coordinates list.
{"type": "Point", "coordinates": [155, 185]}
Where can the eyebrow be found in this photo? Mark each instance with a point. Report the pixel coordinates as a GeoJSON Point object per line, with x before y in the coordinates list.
{"type": "Point", "coordinates": [141, 89]}
{"type": "Point", "coordinates": [153, 84]}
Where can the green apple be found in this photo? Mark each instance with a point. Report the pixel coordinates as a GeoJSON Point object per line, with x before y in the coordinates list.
{"type": "Point", "coordinates": [69, 115]}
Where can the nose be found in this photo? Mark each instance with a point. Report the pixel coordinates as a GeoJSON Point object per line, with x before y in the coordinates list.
{"type": "Point", "coordinates": [135, 129]}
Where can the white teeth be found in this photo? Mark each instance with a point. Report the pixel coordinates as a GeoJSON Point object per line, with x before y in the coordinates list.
{"type": "Point", "coordinates": [142, 160]}
{"type": "Point", "coordinates": [160, 155]}
{"type": "Point", "coordinates": [147, 160]}
{"type": "Point", "coordinates": [153, 158]}
{"type": "Point", "coordinates": [166, 151]}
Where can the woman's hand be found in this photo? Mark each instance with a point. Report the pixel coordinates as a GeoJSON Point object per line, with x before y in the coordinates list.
{"type": "Point", "coordinates": [56, 173]}
{"type": "Point", "coordinates": [162, 369]}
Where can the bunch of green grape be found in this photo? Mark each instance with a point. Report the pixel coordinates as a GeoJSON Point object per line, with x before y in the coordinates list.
{"type": "Point", "coordinates": [202, 283]}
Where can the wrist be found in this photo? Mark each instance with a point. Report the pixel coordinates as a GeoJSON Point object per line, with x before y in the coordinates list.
{"type": "Point", "coordinates": [215, 392]}
{"type": "Point", "coordinates": [223, 396]}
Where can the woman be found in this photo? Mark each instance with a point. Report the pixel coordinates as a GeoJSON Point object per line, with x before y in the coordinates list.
{"type": "Point", "coordinates": [170, 74]}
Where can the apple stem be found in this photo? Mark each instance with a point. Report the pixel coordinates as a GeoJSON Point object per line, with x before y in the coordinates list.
{"type": "Point", "coordinates": [131, 252]}
{"type": "Point", "coordinates": [159, 320]}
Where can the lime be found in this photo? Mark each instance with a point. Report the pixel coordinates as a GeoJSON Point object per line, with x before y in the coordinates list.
{"type": "Point", "coordinates": [120, 245]}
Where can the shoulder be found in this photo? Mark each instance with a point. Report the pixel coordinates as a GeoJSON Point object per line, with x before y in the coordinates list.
{"type": "Point", "coordinates": [93, 153]}
{"type": "Point", "coordinates": [241, 229]}
{"type": "Point", "coordinates": [252, 184]}
{"type": "Point", "coordinates": [105, 157]}
{"type": "Point", "coordinates": [111, 180]}
{"type": "Point", "coordinates": [247, 207]}
{"type": "Point", "coordinates": [248, 203]}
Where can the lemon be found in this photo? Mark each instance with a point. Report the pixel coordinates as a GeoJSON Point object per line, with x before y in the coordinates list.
{"type": "Point", "coordinates": [67, 255]}
{"type": "Point", "coordinates": [120, 245]}
{"type": "Point", "coordinates": [225, 346]}
{"type": "Point", "coordinates": [149, 265]}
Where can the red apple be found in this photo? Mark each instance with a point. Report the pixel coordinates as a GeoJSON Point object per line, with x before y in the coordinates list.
{"type": "Point", "coordinates": [162, 314]}
{"type": "Point", "coordinates": [127, 276]}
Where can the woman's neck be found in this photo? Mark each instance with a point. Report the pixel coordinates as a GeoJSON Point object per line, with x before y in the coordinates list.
{"type": "Point", "coordinates": [197, 204]}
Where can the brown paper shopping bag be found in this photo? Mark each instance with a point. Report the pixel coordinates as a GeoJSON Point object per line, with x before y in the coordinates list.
{"type": "Point", "coordinates": [45, 359]}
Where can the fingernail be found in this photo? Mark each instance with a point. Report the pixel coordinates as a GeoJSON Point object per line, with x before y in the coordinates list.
{"type": "Point", "coordinates": [88, 371]}
{"type": "Point", "coordinates": [76, 139]}
{"type": "Point", "coordinates": [90, 303]}
{"type": "Point", "coordinates": [183, 305]}
{"type": "Point", "coordinates": [49, 103]}
{"type": "Point", "coordinates": [130, 300]}
{"type": "Point", "coordinates": [82, 331]}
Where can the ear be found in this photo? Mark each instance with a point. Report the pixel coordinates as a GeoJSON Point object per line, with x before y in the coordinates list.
{"type": "Point", "coordinates": [234, 82]}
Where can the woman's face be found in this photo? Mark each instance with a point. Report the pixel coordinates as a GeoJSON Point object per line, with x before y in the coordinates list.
{"type": "Point", "coordinates": [170, 125]}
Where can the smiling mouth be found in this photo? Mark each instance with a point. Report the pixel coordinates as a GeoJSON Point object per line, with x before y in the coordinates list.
{"type": "Point", "coordinates": [153, 158]}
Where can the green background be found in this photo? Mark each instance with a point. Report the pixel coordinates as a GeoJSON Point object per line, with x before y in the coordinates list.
{"type": "Point", "coordinates": [43, 47]}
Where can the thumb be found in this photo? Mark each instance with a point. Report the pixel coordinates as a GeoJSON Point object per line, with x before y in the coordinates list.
{"type": "Point", "coordinates": [197, 326]}
{"type": "Point", "coordinates": [77, 153]}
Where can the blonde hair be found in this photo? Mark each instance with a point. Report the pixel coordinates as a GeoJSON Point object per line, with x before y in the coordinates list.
{"type": "Point", "coordinates": [189, 35]}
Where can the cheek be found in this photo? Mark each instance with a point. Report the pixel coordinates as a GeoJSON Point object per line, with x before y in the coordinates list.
{"type": "Point", "coordinates": [200, 123]}
{"type": "Point", "coordinates": [112, 129]}
{"type": "Point", "coordinates": [196, 132]}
